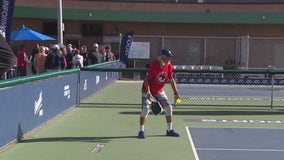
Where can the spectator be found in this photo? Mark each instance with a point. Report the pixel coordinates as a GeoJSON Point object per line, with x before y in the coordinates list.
{"type": "Point", "coordinates": [22, 61]}
{"type": "Point", "coordinates": [84, 53]}
{"type": "Point", "coordinates": [103, 53]}
{"type": "Point", "coordinates": [34, 52]}
{"type": "Point", "coordinates": [109, 54]}
{"type": "Point", "coordinates": [77, 59]}
{"type": "Point", "coordinates": [54, 59]}
{"type": "Point", "coordinates": [94, 55]}
{"type": "Point", "coordinates": [69, 56]}
{"type": "Point", "coordinates": [64, 52]}
{"type": "Point", "coordinates": [39, 60]}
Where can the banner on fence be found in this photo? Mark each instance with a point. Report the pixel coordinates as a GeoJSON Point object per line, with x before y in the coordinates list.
{"type": "Point", "coordinates": [125, 46]}
{"type": "Point", "coordinates": [6, 10]}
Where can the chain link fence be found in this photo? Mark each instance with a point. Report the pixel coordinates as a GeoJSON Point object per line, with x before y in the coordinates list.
{"type": "Point", "coordinates": [243, 52]}
{"type": "Point", "coordinates": [202, 88]}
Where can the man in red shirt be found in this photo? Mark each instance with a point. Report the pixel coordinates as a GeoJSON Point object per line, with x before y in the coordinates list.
{"type": "Point", "coordinates": [22, 61]}
{"type": "Point", "coordinates": [159, 72]}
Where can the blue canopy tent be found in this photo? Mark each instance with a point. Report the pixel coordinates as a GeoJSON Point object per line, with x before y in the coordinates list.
{"type": "Point", "coordinates": [27, 34]}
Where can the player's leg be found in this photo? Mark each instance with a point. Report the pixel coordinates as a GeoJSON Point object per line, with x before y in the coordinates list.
{"type": "Point", "coordinates": [163, 99]}
{"type": "Point", "coordinates": [144, 113]}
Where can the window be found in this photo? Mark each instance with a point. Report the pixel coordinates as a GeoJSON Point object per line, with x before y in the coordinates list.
{"type": "Point", "coordinates": [92, 29]}
{"type": "Point", "coordinates": [49, 28]}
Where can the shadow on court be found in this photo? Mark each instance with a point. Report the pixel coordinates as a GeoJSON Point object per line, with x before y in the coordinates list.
{"type": "Point", "coordinates": [81, 139]}
{"type": "Point", "coordinates": [71, 139]}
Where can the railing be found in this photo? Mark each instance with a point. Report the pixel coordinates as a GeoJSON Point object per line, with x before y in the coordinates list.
{"type": "Point", "coordinates": [203, 1]}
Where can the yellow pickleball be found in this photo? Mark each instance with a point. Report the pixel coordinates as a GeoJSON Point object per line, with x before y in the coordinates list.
{"type": "Point", "coordinates": [178, 101]}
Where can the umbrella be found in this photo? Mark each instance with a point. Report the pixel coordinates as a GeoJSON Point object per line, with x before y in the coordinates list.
{"type": "Point", "coordinates": [27, 34]}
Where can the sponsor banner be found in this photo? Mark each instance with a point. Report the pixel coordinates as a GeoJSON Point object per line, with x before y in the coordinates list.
{"type": "Point", "coordinates": [18, 117]}
{"type": "Point", "coordinates": [6, 10]}
{"type": "Point", "coordinates": [125, 46]}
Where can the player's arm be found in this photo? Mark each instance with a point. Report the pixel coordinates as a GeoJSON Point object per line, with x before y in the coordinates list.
{"type": "Point", "coordinates": [174, 87]}
{"type": "Point", "coordinates": [173, 83]}
{"type": "Point", "coordinates": [146, 86]}
{"type": "Point", "coordinates": [7, 56]}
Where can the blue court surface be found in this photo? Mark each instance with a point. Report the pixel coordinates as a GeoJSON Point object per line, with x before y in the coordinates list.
{"type": "Point", "coordinates": [236, 143]}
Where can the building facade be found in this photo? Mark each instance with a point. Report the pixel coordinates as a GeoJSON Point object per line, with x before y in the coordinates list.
{"type": "Point", "coordinates": [229, 35]}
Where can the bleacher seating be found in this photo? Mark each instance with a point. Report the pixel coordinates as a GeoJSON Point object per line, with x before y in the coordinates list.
{"type": "Point", "coordinates": [199, 67]}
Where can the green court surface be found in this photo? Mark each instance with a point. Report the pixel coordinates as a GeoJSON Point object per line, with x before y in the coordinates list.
{"type": "Point", "coordinates": [97, 131]}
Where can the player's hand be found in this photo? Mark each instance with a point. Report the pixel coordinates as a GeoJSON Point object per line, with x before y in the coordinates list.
{"type": "Point", "coordinates": [150, 97]}
{"type": "Point", "coordinates": [177, 96]}
{"type": "Point", "coordinates": [177, 99]}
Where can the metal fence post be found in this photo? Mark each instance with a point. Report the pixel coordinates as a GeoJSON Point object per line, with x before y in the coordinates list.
{"type": "Point", "coordinates": [272, 90]}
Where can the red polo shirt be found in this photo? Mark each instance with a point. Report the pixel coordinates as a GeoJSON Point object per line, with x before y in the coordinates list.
{"type": "Point", "coordinates": [158, 76]}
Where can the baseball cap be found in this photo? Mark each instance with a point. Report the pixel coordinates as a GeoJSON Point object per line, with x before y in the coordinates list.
{"type": "Point", "coordinates": [95, 45]}
{"type": "Point", "coordinates": [55, 46]}
{"type": "Point", "coordinates": [167, 52]}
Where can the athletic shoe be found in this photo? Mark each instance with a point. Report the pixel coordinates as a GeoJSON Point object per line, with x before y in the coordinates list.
{"type": "Point", "coordinates": [141, 135]}
{"type": "Point", "coordinates": [172, 133]}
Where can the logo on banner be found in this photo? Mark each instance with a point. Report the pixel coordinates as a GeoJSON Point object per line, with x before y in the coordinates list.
{"type": "Point", "coordinates": [38, 105]}
{"type": "Point", "coordinates": [97, 79]}
{"type": "Point", "coordinates": [85, 85]}
{"type": "Point", "coordinates": [67, 91]}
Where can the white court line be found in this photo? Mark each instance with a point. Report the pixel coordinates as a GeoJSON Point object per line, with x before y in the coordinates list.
{"type": "Point", "coordinates": [192, 144]}
{"type": "Point", "coordinates": [251, 150]}
{"type": "Point", "coordinates": [194, 149]}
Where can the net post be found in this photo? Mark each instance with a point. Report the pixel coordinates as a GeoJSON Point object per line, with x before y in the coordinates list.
{"type": "Point", "coordinates": [272, 91]}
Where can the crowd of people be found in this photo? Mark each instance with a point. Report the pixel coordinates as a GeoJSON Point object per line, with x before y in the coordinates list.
{"type": "Point", "coordinates": [60, 57]}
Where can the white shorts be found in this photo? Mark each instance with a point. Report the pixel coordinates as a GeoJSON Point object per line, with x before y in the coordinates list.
{"type": "Point", "coordinates": [160, 97]}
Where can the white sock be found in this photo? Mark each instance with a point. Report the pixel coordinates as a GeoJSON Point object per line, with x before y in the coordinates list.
{"type": "Point", "coordinates": [142, 128]}
{"type": "Point", "coordinates": [170, 126]}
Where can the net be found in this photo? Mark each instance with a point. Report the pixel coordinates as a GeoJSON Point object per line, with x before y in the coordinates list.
{"type": "Point", "coordinates": [200, 88]}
